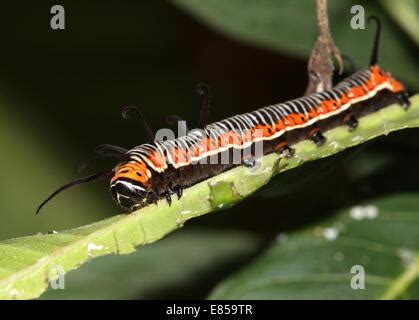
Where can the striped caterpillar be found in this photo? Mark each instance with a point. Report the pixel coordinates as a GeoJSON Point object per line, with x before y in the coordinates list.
{"type": "Point", "coordinates": [160, 169]}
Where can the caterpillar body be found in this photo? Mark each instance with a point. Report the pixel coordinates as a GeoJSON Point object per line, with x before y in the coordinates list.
{"type": "Point", "coordinates": [161, 169]}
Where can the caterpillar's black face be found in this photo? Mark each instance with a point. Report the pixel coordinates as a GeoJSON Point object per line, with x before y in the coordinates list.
{"type": "Point", "coordinates": [128, 194]}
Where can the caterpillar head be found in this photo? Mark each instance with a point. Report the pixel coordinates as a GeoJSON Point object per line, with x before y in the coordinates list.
{"type": "Point", "coordinates": [129, 185]}
{"type": "Point", "coordinates": [129, 179]}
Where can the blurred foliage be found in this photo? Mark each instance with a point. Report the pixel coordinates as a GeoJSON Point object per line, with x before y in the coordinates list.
{"type": "Point", "coordinates": [316, 263]}
{"type": "Point", "coordinates": [261, 23]}
{"type": "Point", "coordinates": [406, 14]}
{"type": "Point", "coordinates": [61, 93]}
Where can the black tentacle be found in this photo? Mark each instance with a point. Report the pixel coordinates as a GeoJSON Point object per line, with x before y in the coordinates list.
{"type": "Point", "coordinates": [205, 92]}
{"type": "Point", "coordinates": [374, 54]}
{"type": "Point", "coordinates": [109, 148]}
{"type": "Point", "coordinates": [104, 151]}
{"type": "Point", "coordinates": [147, 129]}
{"type": "Point", "coordinates": [91, 178]}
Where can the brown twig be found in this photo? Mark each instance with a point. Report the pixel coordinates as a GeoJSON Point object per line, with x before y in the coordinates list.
{"type": "Point", "coordinates": [320, 65]}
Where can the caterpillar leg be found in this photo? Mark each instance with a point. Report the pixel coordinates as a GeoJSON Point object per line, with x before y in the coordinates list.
{"type": "Point", "coordinates": [179, 191]}
{"type": "Point", "coordinates": [249, 163]}
{"type": "Point", "coordinates": [403, 99]}
{"type": "Point", "coordinates": [168, 197]}
{"type": "Point", "coordinates": [317, 137]}
{"type": "Point", "coordinates": [351, 121]}
{"type": "Point", "coordinates": [284, 150]}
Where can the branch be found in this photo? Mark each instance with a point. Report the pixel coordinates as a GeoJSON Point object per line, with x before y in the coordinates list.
{"type": "Point", "coordinates": [27, 264]}
{"type": "Point", "coordinates": [320, 64]}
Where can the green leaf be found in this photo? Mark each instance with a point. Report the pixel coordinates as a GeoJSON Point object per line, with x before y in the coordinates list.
{"type": "Point", "coordinates": [405, 13]}
{"type": "Point", "coordinates": [175, 264]}
{"type": "Point", "coordinates": [290, 27]}
{"type": "Point", "coordinates": [316, 263]}
{"type": "Point", "coordinates": [27, 263]}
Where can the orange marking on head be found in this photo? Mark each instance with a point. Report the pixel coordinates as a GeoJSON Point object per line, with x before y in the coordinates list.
{"type": "Point", "coordinates": [136, 171]}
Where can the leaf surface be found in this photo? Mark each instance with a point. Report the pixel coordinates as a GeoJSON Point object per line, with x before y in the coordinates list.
{"type": "Point", "coordinates": [169, 268]}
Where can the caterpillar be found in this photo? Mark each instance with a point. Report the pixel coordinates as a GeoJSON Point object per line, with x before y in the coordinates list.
{"type": "Point", "coordinates": [161, 169]}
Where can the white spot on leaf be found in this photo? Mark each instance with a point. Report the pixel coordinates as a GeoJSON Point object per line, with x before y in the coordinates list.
{"type": "Point", "coordinates": [406, 255]}
{"type": "Point", "coordinates": [91, 247]}
{"type": "Point", "coordinates": [330, 233]}
{"type": "Point", "coordinates": [179, 222]}
{"type": "Point", "coordinates": [364, 212]}
{"type": "Point", "coordinates": [335, 145]}
{"type": "Point", "coordinates": [357, 139]}
{"type": "Point", "coordinates": [14, 293]}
